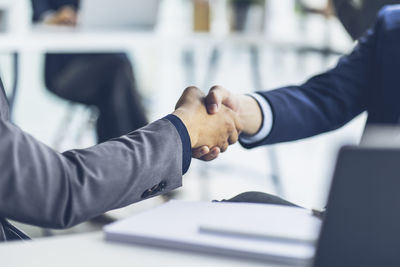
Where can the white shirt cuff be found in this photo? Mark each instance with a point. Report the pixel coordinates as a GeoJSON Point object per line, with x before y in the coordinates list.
{"type": "Point", "coordinates": [266, 125]}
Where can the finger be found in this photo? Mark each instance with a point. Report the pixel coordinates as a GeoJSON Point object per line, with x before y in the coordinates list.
{"type": "Point", "coordinates": [213, 101]}
{"type": "Point", "coordinates": [234, 120]}
{"type": "Point", "coordinates": [200, 152]}
{"type": "Point", "coordinates": [210, 156]}
{"type": "Point", "coordinates": [224, 147]}
{"type": "Point", "coordinates": [233, 138]}
{"type": "Point", "coordinates": [218, 95]}
{"type": "Point", "coordinates": [214, 153]}
{"type": "Point", "coordinates": [212, 108]}
{"type": "Point", "coordinates": [193, 91]}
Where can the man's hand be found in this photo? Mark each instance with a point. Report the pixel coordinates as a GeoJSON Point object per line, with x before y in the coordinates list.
{"type": "Point", "coordinates": [210, 134]}
{"type": "Point", "coordinates": [246, 107]}
{"type": "Point", "coordinates": [66, 15]}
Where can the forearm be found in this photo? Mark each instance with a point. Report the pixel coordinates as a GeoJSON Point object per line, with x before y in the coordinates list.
{"type": "Point", "coordinates": [329, 100]}
{"type": "Point", "coordinates": [42, 187]}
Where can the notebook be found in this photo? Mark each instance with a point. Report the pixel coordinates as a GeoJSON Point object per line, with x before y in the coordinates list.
{"type": "Point", "coordinates": [257, 231]}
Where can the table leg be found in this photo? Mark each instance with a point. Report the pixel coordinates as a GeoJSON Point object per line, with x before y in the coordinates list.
{"type": "Point", "coordinates": [272, 156]}
{"type": "Point", "coordinates": [13, 95]}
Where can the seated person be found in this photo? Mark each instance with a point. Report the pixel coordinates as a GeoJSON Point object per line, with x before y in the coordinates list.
{"type": "Point", "coordinates": [365, 80]}
{"type": "Point", "coordinates": [102, 80]}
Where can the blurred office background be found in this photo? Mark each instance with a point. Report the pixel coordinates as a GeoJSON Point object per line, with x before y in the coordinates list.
{"type": "Point", "coordinates": [261, 45]}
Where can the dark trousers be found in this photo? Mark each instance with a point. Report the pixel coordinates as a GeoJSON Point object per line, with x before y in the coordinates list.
{"type": "Point", "coordinates": [102, 80]}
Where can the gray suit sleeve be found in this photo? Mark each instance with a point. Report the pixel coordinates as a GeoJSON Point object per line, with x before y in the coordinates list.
{"type": "Point", "coordinates": [42, 187]}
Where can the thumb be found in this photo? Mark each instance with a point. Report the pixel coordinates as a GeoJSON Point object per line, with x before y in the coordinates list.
{"type": "Point", "coordinates": [190, 95]}
{"type": "Point", "coordinates": [214, 99]}
{"type": "Point", "coordinates": [220, 96]}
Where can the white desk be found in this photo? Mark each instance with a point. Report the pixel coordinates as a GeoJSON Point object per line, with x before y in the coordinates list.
{"type": "Point", "coordinates": [92, 250]}
{"type": "Point", "coordinates": [64, 40]}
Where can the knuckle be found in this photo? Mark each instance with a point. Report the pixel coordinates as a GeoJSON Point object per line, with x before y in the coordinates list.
{"type": "Point", "coordinates": [221, 144]}
{"type": "Point", "coordinates": [230, 128]}
{"type": "Point", "coordinates": [213, 97]}
{"type": "Point", "coordinates": [231, 133]}
{"type": "Point", "coordinates": [239, 128]}
{"type": "Point", "coordinates": [216, 87]}
{"type": "Point", "coordinates": [191, 88]}
{"type": "Point", "coordinates": [233, 139]}
{"type": "Point", "coordinates": [207, 158]}
{"type": "Point", "coordinates": [213, 94]}
{"type": "Point", "coordinates": [212, 157]}
{"type": "Point", "coordinates": [195, 155]}
{"type": "Point", "coordinates": [225, 147]}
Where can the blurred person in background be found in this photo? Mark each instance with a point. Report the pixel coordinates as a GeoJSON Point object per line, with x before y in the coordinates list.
{"type": "Point", "coordinates": [102, 80]}
{"type": "Point", "coordinates": [359, 15]}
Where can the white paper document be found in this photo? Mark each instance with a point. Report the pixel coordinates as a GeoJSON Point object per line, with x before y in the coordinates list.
{"type": "Point", "coordinates": [258, 231]}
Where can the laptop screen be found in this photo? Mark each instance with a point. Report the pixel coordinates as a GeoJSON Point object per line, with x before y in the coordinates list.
{"type": "Point", "coordinates": [362, 223]}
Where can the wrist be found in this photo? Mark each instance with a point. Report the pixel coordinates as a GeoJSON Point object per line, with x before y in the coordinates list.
{"type": "Point", "coordinates": [250, 115]}
{"type": "Point", "coordinates": [183, 115]}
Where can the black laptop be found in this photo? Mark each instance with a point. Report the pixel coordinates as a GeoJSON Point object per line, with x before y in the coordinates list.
{"type": "Point", "coordinates": [362, 222]}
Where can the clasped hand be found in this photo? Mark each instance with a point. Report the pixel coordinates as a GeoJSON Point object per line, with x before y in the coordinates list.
{"type": "Point", "coordinates": [210, 134]}
{"type": "Point", "coordinates": [215, 121]}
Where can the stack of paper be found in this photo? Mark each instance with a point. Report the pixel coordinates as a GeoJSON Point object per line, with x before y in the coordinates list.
{"type": "Point", "coordinates": [259, 231]}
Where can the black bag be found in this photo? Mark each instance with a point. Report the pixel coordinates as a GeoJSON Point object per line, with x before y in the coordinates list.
{"type": "Point", "coordinates": [10, 233]}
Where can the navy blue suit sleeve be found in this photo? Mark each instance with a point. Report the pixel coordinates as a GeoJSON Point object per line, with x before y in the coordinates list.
{"type": "Point", "coordinates": [327, 101]}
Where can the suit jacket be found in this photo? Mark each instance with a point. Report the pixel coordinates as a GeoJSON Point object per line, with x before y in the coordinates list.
{"type": "Point", "coordinates": [366, 80]}
{"type": "Point", "coordinates": [57, 190]}
{"type": "Point", "coordinates": [357, 20]}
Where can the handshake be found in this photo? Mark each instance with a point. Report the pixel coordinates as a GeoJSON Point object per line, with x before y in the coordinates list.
{"type": "Point", "coordinates": [215, 121]}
